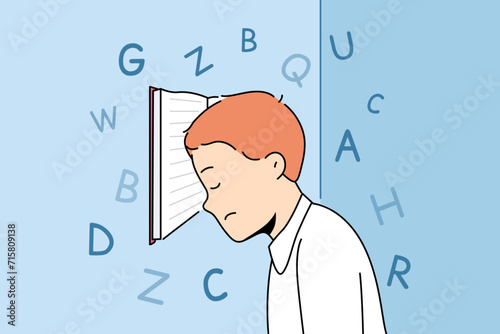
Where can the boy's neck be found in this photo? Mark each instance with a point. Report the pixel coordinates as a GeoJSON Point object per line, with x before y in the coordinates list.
{"type": "Point", "coordinates": [285, 206]}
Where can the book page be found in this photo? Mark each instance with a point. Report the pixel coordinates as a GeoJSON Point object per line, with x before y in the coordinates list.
{"type": "Point", "coordinates": [182, 194]}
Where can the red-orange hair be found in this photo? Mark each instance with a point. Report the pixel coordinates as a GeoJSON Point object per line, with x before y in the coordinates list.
{"type": "Point", "coordinates": [255, 124]}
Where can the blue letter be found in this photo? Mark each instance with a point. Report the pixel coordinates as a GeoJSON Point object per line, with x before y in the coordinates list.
{"type": "Point", "coordinates": [374, 111]}
{"type": "Point", "coordinates": [91, 239]}
{"type": "Point", "coordinates": [207, 290]}
{"type": "Point", "coordinates": [198, 72]}
{"type": "Point", "coordinates": [352, 147]}
{"type": "Point", "coordinates": [296, 78]}
{"type": "Point", "coordinates": [127, 186]}
{"type": "Point", "coordinates": [164, 277]}
{"type": "Point", "coordinates": [244, 40]}
{"type": "Point", "coordinates": [399, 274]}
{"type": "Point", "coordinates": [132, 61]}
{"type": "Point", "coordinates": [386, 206]}
{"type": "Point", "coordinates": [334, 49]}
{"type": "Point", "coordinates": [104, 115]}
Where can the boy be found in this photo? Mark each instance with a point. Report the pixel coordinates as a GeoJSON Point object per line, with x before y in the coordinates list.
{"type": "Point", "coordinates": [319, 265]}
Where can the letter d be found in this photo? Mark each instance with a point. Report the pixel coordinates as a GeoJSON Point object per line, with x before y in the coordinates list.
{"type": "Point", "coordinates": [91, 239]}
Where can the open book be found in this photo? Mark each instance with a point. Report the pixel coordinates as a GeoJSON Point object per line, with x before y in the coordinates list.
{"type": "Point", "coordinates": [175, 192]}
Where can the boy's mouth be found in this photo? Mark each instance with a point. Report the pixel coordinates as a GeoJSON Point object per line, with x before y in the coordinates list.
{"type": "Point", "coordinates": [230, 213]}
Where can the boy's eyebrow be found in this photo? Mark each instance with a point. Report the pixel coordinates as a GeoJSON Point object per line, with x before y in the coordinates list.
{"type": "Point", "coordinates": [204, 169]}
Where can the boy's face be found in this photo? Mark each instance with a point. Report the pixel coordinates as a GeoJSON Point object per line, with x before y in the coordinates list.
{"type": "Point", "coordinates": [240, 191]}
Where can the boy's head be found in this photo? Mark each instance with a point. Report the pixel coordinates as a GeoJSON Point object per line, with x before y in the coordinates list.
{"type": "Point", "coordinates": [246, 150]}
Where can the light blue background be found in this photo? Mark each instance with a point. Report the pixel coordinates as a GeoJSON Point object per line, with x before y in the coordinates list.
{"type": "Point", "coordinates": [48, 90]}
{"type": "Point", "coordinates": [427, 58]}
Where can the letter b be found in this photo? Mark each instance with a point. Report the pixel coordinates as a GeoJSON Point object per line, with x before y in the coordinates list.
{"type": "Point", "coordinates": [250, 39]}
{"type": "Point", "coordinates": [130, 187]}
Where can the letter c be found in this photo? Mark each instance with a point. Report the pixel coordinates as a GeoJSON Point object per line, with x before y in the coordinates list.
{"type": "Point", "coordinates": [207, 290]}
{"type": "Point", "coordinates": [374, 111]}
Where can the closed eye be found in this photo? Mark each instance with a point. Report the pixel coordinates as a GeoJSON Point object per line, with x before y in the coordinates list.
{"type": "Point", "coordinates": [217, 186]}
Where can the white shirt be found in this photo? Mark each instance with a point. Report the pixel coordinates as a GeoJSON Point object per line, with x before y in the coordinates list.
{"type": "Point", "coordinates": [321, 279]}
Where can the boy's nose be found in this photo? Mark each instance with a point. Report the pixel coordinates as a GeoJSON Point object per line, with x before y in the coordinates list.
{"type": "Point", "coordinates": [207, 205]}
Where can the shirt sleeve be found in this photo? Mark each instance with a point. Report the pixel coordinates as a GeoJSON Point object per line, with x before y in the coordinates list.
{"type": "Point", "coordinates": [337, 288]}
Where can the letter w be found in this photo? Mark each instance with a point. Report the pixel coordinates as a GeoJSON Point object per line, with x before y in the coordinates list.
{"type": "Point", "coordinates": [104, 115]}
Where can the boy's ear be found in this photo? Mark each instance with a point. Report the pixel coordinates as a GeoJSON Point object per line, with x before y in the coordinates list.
{"type": "Point", "coordinates": [277, 162]}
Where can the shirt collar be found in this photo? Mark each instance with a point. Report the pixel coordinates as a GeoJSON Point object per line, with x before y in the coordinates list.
{"type": "Point", "coordinates": [281, 247]}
